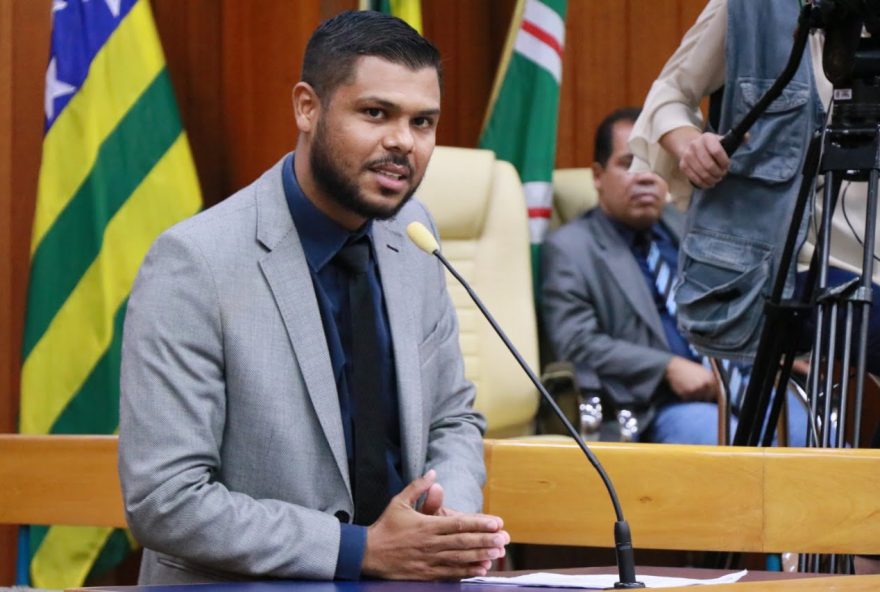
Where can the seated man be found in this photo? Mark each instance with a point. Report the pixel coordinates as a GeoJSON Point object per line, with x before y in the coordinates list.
{"type": "Point", "coordinates": [608, 305]}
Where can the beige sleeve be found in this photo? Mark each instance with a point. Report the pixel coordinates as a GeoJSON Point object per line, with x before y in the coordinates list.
{"type": "Point", "coordinates": [695, 70]}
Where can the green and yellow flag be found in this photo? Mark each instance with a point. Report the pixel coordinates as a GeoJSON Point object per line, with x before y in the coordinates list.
{"type": "Point", "coordinates": [523, 113]}
{"type": "Point", "coordinates": [407, 10]}
{"type": "Point", "coordinates": [116, 171]}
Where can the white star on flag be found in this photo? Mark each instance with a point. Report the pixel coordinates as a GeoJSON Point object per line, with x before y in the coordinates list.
{"type": "Point", "coordinates": [54, 88]}
{"type": "Point", "coordinates": [114, 5]}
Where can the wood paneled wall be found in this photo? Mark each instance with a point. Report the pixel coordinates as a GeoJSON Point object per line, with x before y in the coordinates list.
{"type": "Point", "coordinates": [233, 64]}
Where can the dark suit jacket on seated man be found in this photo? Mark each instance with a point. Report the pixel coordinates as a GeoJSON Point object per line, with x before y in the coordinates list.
{"type": "Point", "coordinates": [249, 445]}
{"type": "Point", "coordinates": [602, 307]}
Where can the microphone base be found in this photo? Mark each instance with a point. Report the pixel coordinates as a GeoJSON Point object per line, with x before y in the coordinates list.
{"type": "Point", "coordinates": [628, 585]}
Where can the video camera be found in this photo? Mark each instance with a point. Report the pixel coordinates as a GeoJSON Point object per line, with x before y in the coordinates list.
{"type": "Point", "coordinates": [851, 62]}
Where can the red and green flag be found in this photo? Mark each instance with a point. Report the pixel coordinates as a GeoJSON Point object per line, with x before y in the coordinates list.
{"type": "Point", "coordinates": [521, 120]}
{"type": "Point", "coordinates": [116, 171]}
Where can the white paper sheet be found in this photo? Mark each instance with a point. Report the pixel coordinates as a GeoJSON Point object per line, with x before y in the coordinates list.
{"type": "Point", "coordinates": [599, 581]}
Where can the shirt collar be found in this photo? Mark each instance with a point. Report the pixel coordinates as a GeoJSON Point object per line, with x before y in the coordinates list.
{"type": "Point", "coordinates": [320, 236]}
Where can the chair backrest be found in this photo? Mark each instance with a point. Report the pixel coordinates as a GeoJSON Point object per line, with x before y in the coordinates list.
{"type": "Point", "coordinates": [480, 211]}
{"type": "Point", "coordinates": [67, 480]}
{"type": "Point", "coordinates": [701, 498]}
{"type": "Point", "coordinates": [573, 194]}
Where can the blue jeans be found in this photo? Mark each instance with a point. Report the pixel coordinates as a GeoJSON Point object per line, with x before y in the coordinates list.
{"type": "Point", "coordinates": [696, 422]}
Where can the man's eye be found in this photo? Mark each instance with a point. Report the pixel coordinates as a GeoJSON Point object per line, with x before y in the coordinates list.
{"type": "Point", "coordinates": [423, 122]}
{"type": "Point", "coordinates": [373, 112]}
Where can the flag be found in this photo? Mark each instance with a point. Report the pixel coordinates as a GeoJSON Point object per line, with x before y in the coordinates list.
{"type": "Point", "coordinates": [408, 10]}
{"type": "Point", "coordinates": [520, 124]}
{"type": "Point", "coordinates": [116, 171]}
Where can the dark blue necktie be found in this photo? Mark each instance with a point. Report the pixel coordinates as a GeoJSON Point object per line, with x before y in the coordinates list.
{"type": "Point", "coordinates": [370, 479]}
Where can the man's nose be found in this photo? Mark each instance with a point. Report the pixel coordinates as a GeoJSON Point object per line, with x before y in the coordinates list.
{"type": "Point", "coordinates": [645, 178]}
{"type": "Point", "coordinates": [399, 137]}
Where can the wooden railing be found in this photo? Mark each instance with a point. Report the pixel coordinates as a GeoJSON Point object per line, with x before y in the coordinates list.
{"type": "Point", "coordinates": [689, 497]}
{"type": "Point", "coordinates": [69, 480]}
{"type": "Point", "coordinates": [674, 497]}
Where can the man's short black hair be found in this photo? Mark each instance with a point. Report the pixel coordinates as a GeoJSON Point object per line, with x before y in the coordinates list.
{"type": "Point", "coordinates": [338, 42]}
{"type": "Point", "coordinates": [604, 133]}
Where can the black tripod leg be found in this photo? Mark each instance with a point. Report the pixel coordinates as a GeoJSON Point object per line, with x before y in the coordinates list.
{"type": "Point", "coordinates": [863, 303]}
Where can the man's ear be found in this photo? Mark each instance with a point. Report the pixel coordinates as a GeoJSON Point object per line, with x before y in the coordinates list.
{"type": "Point", "coordinates": [306, 107]}
{"type": "Point", "coordinates": [598, 169]}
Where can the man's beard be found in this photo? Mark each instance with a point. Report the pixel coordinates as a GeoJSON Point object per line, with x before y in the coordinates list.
{"type": "Point", "coordinates": [343, 190]}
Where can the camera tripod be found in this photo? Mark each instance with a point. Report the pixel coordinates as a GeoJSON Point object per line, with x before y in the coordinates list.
{"type": "Point", "coordinates": [837, 316]}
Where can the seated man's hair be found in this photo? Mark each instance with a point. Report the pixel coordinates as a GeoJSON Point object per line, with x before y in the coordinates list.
{"type": "Point", "coordinates": [338, 42]}
{"type": "Point", "coordinates": [604, 138]}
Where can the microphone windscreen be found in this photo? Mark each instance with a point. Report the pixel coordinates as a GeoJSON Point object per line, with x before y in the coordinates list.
{"type": "Point", "coordinates": [422, 237]}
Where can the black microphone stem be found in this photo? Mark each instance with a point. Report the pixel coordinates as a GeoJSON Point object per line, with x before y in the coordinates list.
{"type": "Point", "coordinates": [622, 538]}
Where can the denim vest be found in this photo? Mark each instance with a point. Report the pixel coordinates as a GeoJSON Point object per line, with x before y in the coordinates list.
{"type": "Point", "coordinates": [735, 232]}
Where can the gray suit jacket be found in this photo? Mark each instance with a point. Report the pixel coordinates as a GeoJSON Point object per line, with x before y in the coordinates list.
{"type": "Point", "coordinates": [599, 313]}
{"type": "Point", "coordinates": [231, 449]}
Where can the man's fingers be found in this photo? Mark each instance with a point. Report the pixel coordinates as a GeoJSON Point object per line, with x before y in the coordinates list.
{"type": "Point", "coordinates": [412, 492]}
{"type": "Point", "coordinates": [465, 523]}
{"type": "Point", "coordinates": [696, 172]}
{"type": "Point", "coordinates": [716, 150]}
{"type": "Point", "coordinates": [711, 169]}
{"type": "Point", "coordinates": [470, 556]}
{"type": "Point", "coordinates": [456, 572]}
{"type": "Point", "coordinates": [433, 500]}
{"type": "Point", "coordinates": [470, 540]}
{"type": "Point", "coordinates": [705, 162]}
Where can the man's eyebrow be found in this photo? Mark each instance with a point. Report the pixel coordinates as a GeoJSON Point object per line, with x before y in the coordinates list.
{"type": "Point", "coordinates": [392, 106]}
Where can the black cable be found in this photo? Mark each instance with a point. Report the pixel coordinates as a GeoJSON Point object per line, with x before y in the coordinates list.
{"type": "Point", "coordinates": [849, 223]}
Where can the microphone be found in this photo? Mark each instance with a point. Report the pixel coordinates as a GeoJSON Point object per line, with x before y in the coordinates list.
{"type": "Point", "coordinates": [626, 568]}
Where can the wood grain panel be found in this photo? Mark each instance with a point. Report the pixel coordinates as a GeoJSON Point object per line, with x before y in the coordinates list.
{"type": "Point", "coordinates": [7, 410]}
{"type": "Point", "coordinates": [7, 314]}
{"type": "Point", "coordinates": [821, 497]}
{"type": "Point", "coordinates": [595, 35]}
{"type": "Point", "coordinates": [191, 37]}
{"type": "Point", "coordinates": [69, 480]}
{"type": "Point", "coordinates": [652, 27]}
{"type": "Point", "coordinates": [665, 494]}
{"type": "Point", "coordinates": [688, 497]}
{"type": "Point", "coordinates": [470, 37]}
{"type": "Point", "coordinates": [30, 43]}
{"type": "Point", "coordinates": [262, 50]}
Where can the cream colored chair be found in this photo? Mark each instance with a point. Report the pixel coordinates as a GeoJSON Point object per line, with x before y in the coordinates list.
{"type": "Point", "coordinates": [480, 211]}
{"type": "Point", "coordinates": [573, 194]}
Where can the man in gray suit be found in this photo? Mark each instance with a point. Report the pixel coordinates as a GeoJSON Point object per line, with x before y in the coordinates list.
{"type": "Point", "coordinates": [605, 299]}
{"type": "Point", "coordinates": [291, 360]}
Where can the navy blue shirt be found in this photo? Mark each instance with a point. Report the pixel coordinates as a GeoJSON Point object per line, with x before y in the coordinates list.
{"type": "Point", "coordinates": [321, 240]}
{"type": "Point", "coordinates": [638, 242]}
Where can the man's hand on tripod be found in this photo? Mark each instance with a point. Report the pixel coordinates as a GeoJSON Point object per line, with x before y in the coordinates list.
{"type": "Point", "coordinates": [700, 155]}
{"type": "Point", "coordinates": [691, 381]}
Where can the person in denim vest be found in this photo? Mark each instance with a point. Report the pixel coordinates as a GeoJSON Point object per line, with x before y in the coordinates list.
{"type": "Point", "coordinates": [738, 213]}
{"type": "Point", "coordinates": [737, 219]}
{"type": "Point", "coordinates": [608, 305]}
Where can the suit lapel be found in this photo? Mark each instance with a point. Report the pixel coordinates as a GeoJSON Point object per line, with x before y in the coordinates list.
{"type": "Point", "coordinates": [287, 273]}
{"type": "Point", "coordinates": [388, 242]}
{"type": "Point", "coordinates": [623, 269]}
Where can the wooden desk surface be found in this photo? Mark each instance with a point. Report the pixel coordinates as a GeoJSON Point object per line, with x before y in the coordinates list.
{"type": "Point", "coordinates": [753, 582]}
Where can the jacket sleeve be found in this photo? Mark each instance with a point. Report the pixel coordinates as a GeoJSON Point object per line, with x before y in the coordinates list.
{"type": "Point", "coordinates": [172, 420]}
